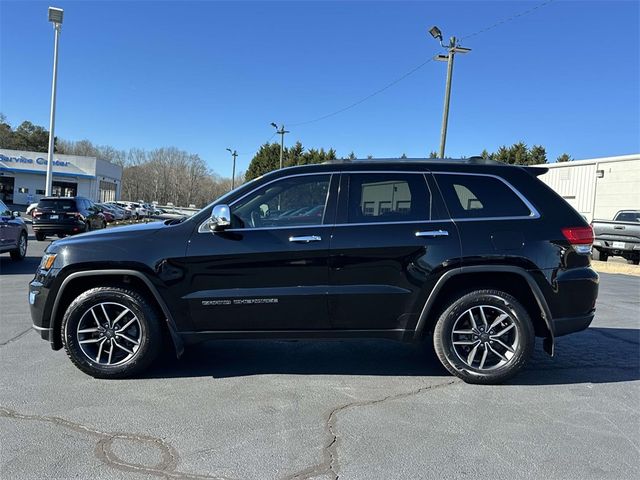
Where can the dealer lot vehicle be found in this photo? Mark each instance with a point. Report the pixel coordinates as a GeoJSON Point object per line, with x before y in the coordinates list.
{"type": "Point", "coordinates": [618, 237]}
{"type": "Point", "coordinates": [479, 256]}
{"type": "Point", "coordinates": [66, 216]}
{"type": "Point", "coordinates": [13, 233]}
{"type": "Point", "coordinates": [114, 213]}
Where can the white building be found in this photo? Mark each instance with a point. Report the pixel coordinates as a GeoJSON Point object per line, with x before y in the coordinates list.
{"type": "Point", "coordinates": [23, 177]}
{"type": "Point", "coordinates": [597, 187]}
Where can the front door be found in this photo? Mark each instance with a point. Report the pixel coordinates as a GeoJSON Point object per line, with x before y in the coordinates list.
{"type": "Point", "coordinates": [391, 242]}
{"type": "Point", "coordinates": [268, 271]}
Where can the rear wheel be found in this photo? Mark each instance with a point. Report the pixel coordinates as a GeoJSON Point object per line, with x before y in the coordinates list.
{"type": "Point", "coordinates": [600, 255]}
{"type": "Point", "coordinates": [485, 336]}
{"type": "Point", "coordinates": [61, 235]}
{"type": "Point", "coordinates": [20, 252]}
{"type": "Point", "coordinates": [40, 236]}
{"type": "Point", "coordinates": [111, 332]}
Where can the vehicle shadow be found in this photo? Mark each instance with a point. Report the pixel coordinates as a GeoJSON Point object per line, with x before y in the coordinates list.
{"type": "Point", "coordinates": [597, 355]}
{"type": "Point", "coordinates": [27, 265]}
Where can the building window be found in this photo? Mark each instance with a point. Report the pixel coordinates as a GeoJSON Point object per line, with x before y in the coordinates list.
{"type": "Point", "coordinates": [23, 190]}
{"type": "Point", "coordinates": [39, 192]}
{"type": "Point", "coordinates": [107, 191]}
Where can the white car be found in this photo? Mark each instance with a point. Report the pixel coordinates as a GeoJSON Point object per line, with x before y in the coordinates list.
{"type": "Point", "coordinates": [31, 207]}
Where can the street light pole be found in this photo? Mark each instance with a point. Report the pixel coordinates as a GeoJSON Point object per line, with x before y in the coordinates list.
{"type": "Point", "coordinates": [280, 132]}
{"type": "Point", "coordinates": [55, 16]}
{"type": "Point", "coordinates": [234, 154]}
{"type": "Point", "coordinates": [452, 49]}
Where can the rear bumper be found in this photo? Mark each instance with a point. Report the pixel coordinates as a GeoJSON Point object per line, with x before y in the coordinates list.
{"type": "Point", "coordinates": [566, 325]}
{"type": "Point", "coordinates": [52, 228]}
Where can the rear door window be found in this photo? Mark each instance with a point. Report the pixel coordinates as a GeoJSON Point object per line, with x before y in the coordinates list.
{"type": "Point", "coordinates": [480, 196]}
{"type": "Point", "coordinates": [58, 204]}
{"type": "Point", "coordinates": [388, 197]}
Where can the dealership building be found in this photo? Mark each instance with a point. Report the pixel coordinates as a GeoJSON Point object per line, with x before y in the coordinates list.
{"type": "Point", "coordinates": [23, 177]}
{"type": "Point", "coordinates": [597, 187]}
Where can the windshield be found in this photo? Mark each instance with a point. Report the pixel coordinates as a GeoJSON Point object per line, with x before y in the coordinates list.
{"type": "Point", "coordinates": [57, 204]}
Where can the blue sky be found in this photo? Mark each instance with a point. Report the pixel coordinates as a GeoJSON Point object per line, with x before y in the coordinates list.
{"type": "Point", "coordinates": [204, 76]}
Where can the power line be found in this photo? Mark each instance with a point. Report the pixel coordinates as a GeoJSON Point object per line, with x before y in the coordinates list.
{"type": "Point", "coordinates": [415, 69]}
{"type": "Point", "coordinates": [508, 19]}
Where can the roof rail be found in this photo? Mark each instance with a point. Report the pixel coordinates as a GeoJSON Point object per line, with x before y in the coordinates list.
{"type": "Point", "coordinates": [475, 160]}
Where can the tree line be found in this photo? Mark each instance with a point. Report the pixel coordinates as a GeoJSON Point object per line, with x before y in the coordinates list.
{"type": "Point", "coordinates": [171, 175]}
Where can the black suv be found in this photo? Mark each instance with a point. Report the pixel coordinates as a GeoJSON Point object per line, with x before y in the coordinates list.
{"type": "Point", "coordinates": [66, 216]}
{"type": "Point", "coordinates": [483, 257]}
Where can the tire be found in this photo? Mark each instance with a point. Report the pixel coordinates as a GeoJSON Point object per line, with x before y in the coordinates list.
{"type": "Point", "coordinates": [104, 224]}
{"type": "Point", "coordinates": [633, 261]}
{"type": "Point", "coordinates": [123, 359]}
{"type": "Point", "coordinates": [61, 235]}
{"type": "Point", "coordinates": [600, 255]}
{"type": "Point", "coordinates": [40, 236]}
{"type": "Point", "coordinates": [20, 252]}
{"type": "Point", "coordinates": [489, 368]}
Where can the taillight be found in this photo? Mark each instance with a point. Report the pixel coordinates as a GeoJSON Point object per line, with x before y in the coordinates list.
{"type": "Point", "coordinates": [581, 238]}
{"type": "Point", "coordinates": [77, 215]}
{"type": "Point", "coordinates": [35, 213]}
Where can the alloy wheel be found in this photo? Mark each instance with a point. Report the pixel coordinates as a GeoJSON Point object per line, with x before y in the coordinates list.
{"type": "Point", "coordinates": [485, 337]}
{"type": "Point", "coordinates": [23, 245]}
{"type": "Point", "coordinates": [109, 334]}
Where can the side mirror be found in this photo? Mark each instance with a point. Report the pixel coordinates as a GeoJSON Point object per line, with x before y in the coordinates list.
{"type": "Point", "coordinates": [16, 214]}
{"type": "Point", "coordinates": [220, 218]}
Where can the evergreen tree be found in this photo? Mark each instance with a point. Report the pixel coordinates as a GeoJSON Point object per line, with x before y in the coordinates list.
{"type": "Point", "coordinates": [564, 158]}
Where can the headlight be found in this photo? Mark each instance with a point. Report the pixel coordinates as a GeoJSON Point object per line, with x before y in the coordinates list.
{"type": "Point", "coordinates": [47, 261]}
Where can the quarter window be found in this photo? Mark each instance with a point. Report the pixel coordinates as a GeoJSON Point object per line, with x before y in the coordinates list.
{"type": "Point", "coordinates": [480, 196]}
{"type": "Point", "coordinates": [388, 197]}
{"type": "Point", "coordinates": [293, 201]}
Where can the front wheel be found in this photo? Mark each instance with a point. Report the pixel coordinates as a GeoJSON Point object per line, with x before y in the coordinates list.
{"type": "Point", "coordinates": [485, 336]}
{"type": "Point", "coordinates": [111, 332]}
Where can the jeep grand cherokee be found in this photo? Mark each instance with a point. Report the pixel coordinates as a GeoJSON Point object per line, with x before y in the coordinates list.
{"type": "Point", "coordinates": [479, 256]}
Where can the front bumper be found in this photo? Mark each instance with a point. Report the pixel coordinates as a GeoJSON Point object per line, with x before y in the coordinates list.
{"type": "Point", "coordinates": [38, 306]}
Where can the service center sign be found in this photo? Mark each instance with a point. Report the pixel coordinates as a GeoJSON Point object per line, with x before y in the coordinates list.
{"type": "Point", "coordinates": [38, 161]}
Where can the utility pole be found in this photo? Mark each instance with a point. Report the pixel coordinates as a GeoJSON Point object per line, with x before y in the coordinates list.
{"type": "Point", "coordinates": [280, 132]}
{"type": "Point", "coordinates": [452, 49]}
{"type": "Point", "coordinates": [234, 154]}
{"type": "Point", "coordinates": [55, 17]}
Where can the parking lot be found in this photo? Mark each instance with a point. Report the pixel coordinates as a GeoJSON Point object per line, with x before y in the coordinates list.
{"type": "Point", "coordinates": [296, 410]}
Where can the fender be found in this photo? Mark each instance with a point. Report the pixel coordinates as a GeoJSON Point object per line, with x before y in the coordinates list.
{"type": "Point", "coordinates": [545, 312]}
{"type": "Point", "coordinates": [175, 337]}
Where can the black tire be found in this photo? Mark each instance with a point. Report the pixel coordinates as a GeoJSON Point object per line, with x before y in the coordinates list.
{"type": "Point", "coordinates": [634, 261]}
{"type": "Point", "coordinates": [104, 224]}
{"type": "Point", "coordinates": [150, 335]}
{"type": "Point", "coordinates": [40, 236]}
{"type": "Point", "coordinates": [61, 235]}
{"type": "Point", "coordinates": [600, 255]}
{"type": "Point", "coordinates": [517, 314]}
{"type": "Point", "coordinates": [20, 252]}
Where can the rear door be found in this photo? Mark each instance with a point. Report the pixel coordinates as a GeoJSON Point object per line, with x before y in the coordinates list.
{"type": "Point", "coordinates": [391, 242]}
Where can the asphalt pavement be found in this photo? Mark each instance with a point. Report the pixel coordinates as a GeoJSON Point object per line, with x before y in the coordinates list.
{"type": "Point", "coordinates": [342, 409]}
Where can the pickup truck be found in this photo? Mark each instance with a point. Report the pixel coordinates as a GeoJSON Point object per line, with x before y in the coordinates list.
{"type": "Point", "coordinates": [618, 237]}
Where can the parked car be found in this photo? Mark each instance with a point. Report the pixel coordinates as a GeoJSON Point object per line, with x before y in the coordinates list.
{"type": "Point", "coordinates": [31, 207]}
{"type": "Point", "coordinates": [13, 233]}
{"type": "Point", "coordinates": [479, 256]}
{"type": "Point", "coordinates": [110, 212]}
{"type": "Point", "coordinates": [618, 237]}
{"type": "Point", "coordinates": [66, 216]}
{"type": "Point", "coordinates": [120, 207]}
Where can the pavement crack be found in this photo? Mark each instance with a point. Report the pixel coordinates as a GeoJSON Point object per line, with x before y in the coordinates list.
{"type": "Point", "coordinates": [166, 468]}
{"type": "Point", "coordinates": [17, 337]}
{"type": "Point", "coordinates": [329, 463]}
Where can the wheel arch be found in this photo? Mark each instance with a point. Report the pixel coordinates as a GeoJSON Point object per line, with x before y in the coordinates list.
{"type": "Point", "coordinates": [79, 282]}
{"type": "Point", "coordinates": [513, 280]}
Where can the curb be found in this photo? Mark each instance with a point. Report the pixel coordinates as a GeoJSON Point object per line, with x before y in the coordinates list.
{"type": "Point", "coordinates": [614, 267]}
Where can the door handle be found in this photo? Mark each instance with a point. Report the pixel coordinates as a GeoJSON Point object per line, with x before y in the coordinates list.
{"type": "Point", "coordinates": [305, 239]}
{"type": "Point", "coordinates": [433, 233]}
